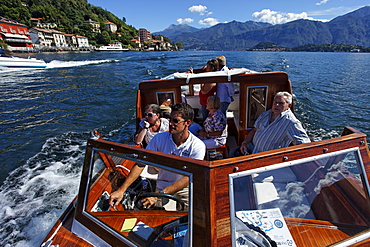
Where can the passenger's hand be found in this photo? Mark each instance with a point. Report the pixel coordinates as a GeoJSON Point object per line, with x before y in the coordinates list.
{"type": "Point", "coordinates": [144, 123]}
{"type": "Point", "coordinates": [202, 133]}
{"type": "Point", "coordinates": [243, 148]}
{"type": "Point", "coordinates": [115, 198]}
{"type": "Point", "coordinates": [148, 202]}
{"type": "Point", "coordinates": [147, 124]}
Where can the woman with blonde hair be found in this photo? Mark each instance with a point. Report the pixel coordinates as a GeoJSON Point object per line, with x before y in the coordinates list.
{"type": "Point", "coordinates": [214, 132]}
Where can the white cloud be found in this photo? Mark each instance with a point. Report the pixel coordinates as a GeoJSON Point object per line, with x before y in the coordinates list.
{"type": "Point", "coordinates": [208, 22]}
{"type": "Point", "coordinates": [322, 2]}
{"type": "Point", "coordinates": [198, 9]}
{"type": "Point", "coordinates": [185, 20]}
{"type": "Point", "coordinates": [274, 17]}
{"type": "Point", "coordinates": [334, 11]}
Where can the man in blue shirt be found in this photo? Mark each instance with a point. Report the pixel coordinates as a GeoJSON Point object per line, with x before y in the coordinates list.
{"type": "Point", "coordinates": [225, 91]}
{"type": "Point", "coordinates": [275, 128]}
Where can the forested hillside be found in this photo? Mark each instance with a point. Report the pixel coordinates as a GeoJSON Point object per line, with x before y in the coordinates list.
{"type": "Point", "coordinates": [69, 15]}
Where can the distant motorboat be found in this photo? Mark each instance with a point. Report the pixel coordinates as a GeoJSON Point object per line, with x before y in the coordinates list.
{"type": "Point", "coordinates": [18, 62]}
{"type": "Point", "coordinates": [112, 47]}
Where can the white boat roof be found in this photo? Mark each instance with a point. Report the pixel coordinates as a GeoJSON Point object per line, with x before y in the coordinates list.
{"type": "Point", "coordinates": [228, 73]}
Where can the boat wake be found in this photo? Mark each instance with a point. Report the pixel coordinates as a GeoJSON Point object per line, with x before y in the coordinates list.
{"type": "Point", "coordinates": [65, 64]}
{"type": "Point", "coordinates": [34, 196]}
{"type": "Point", "coordinates": [59, 64]}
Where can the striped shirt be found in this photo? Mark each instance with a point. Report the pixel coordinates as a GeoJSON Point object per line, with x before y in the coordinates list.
{"type": "Point", "coordinates": [286, 128]}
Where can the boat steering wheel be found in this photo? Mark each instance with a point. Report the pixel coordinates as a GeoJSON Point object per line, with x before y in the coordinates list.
{"type": "Point", "coordinates": [140, 206]}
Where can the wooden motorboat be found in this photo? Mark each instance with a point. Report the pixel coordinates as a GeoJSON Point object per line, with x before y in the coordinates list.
{"type": "Point", "coordinates": [312, 194]}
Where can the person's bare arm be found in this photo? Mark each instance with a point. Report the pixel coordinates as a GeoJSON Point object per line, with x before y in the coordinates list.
{"type": "Point", "coordinates": [139, 137]}
{"type": "Point", "coordinates": [117, 196]}
{"type": "Point", "coordinates": [207, 87]}
{"type": "Point", "coordinates": [248, 139]}
{"type": "Point", "coordinates": [203, 133]}
{"type": "Point", "coordinates": [172, 189]}
{"type": "Point", "coordinates": [177, 186]}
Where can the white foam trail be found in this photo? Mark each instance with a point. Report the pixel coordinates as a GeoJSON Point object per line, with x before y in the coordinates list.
{"type": "Point", "coordinates": [59, 64]}
{"type": "Point", "coordinates": [35, 195]}
{"type": "Point", "coordinates": [65, 64]}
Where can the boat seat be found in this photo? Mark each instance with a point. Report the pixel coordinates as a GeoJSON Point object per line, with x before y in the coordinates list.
{"type": "Point", "coordinates": [223, 150]}
{"type": "Point", "coordinates": [149, 172]}
{"type": "Point", "coordinates": [212, 153]}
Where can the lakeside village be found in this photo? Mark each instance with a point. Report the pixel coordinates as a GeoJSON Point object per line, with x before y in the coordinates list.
{"type": "Point", "coordinates": [43, 37]}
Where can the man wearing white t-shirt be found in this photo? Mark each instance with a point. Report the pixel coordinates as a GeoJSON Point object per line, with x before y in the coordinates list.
{"type": "Point", "coordinates": [178, 141]}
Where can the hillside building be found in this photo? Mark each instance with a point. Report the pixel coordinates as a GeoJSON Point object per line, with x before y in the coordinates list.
{"type": "Point", "coordinates": [144, 35]}
{"type": "Point", "coordinates": [59, 38]}
{"type": "Point", "coordinates": [15, 35]}
{"type": "Point", "coordinates": [111, 26]}
{"type": "Point", "coordinates": [82, 42]}
{"type": "Point", "coordinates": [71, 39]}
{"type": "Point", "coordinates": [95, 25]}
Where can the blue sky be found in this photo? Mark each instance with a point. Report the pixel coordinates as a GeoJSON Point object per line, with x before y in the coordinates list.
{"type": "Point", "coordinates": [157, 15]}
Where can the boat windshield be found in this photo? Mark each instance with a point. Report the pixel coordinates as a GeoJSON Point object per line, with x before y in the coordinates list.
{"type": "Point", "coordinates": [130, 222]}
{"type": "Point", "coordinates": [330, 187]}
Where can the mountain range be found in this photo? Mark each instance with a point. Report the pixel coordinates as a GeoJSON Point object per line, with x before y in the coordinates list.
{"type": "Point", "coordinates": [352, 29]}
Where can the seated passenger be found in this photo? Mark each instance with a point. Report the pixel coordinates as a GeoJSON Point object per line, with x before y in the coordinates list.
{"type": "Point", "coordinates": [178, 141]}
{"type": "Point", "coordinates": [151, 124]}
{"type": "Point", "coordinates": [214, 132]}
{"type": "Point", "coordinates": [275, 128]}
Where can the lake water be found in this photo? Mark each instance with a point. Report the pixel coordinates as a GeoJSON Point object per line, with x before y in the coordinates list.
{"type": "Point", "coordinates": [47, 115]}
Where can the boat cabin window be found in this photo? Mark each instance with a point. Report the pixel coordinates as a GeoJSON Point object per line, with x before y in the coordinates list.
{"type": "Point", "coordinates": [331, 187]}
{"type": "Point", "coordinates": [169, 221]}
{"type": "Point", "coordinates": [185, 90]}
{"type": "Point", "coordinates": [166, 98]}
{"type": "Point", "coordinates": [256, 104]}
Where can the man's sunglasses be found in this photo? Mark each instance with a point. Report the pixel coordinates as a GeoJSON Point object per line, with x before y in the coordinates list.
{"type": "Point", "coordinates": [175, 120]}
{"type": "Point", "coordinates": [149, 114]}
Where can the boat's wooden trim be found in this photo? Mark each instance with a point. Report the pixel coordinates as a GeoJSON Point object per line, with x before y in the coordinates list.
{"type": "Point", "coordinates": [64, 237]}
{"type": "Point", "coordinates": [139, 108]}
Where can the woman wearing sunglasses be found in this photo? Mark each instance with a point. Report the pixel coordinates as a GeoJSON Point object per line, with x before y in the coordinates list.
{"type": "Point", "coordinates": [214, 132]}
{"type": "Point", "coordinates": [151, 124]}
